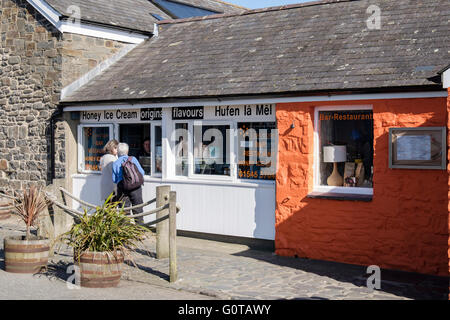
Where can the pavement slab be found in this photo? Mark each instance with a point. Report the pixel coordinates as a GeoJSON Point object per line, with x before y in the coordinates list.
{"type": "Point", "coordinates": [217, 270]}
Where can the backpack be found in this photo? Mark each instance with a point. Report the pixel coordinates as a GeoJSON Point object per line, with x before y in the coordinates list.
{"type": "Point", "coordinates": [132, 178]}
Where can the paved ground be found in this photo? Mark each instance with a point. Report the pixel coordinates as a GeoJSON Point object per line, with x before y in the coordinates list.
{"type": "Point", "coordinates": [216, 270]}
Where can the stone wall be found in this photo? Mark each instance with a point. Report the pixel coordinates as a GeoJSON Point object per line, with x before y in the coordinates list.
{"type": "Point", "coordinates": [29, 93]}
{"type": "Point", "coordinates": [404, 227]}
{"type": "Point", "coordinates": [80, 54]}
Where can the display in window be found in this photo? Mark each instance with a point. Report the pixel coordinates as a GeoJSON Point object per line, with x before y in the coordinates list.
{"type": "Point", "coordinates": [255, 154]}
{"type": "Point", "coordinates": [346, 148]}
{"type": "Point", "coordinates": [158, 149]}
{"type": "Point", "coordinates": [181, 149]}
{"type": "Point", "coordinates": [95, 138]}
{"type": "Point", "coordinates": [137, 136]}
{"type": "Point", "coordinates": [211, 150]}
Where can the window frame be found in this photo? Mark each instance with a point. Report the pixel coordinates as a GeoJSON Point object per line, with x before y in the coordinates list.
{"type": "Point", "coordinates": [232, 155]}
{"type": "Point", "coordinates": [153, 126]}
{"type": "Point", "coordinates": [316, 164]}
{"type": "Point", "coordinates": [81, 156]}
{"type": "Point", "coordinates": [152, 143]}
{"type": "Point", "coordinates": [237, 154]}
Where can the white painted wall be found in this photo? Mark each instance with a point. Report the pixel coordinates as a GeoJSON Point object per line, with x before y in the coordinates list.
{"type": "Point", "coordinates": [234, 209]}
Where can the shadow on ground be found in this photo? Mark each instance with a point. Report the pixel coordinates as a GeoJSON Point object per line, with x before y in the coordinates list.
{"type": "Point", "coordinates": [400, 283]}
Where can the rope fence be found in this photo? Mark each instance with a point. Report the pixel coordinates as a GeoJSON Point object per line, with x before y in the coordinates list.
{"type": "Point", "coordinates": [166, 200]}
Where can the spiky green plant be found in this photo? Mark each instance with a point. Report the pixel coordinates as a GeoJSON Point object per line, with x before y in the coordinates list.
{"type": "Point", "coordinates": [108, 229]}
{"type": "Point", "coordinates": [29, 205]}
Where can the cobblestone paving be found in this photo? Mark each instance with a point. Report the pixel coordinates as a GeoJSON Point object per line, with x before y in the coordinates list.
{"type": "Point", "coordinates": [254, 274]}
{"type": "Point", "coordinates": [231, 271]}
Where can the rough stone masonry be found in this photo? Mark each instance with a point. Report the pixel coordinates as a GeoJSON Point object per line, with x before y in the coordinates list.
{"type": "Point", "coordinates": [37, 61]}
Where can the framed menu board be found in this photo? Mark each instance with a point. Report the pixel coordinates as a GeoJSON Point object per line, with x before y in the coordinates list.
{"type": "Point", "coordinates": [418, 148]}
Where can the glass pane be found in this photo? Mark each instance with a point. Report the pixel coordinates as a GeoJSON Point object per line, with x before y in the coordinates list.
{"type": "Point", "coordinates": [255, 150]}
{"type": "Point", "coordinates": [181, 149]}
{"type": "Point", "coordinates": [158, 149]}
{"type": "Point", "coordinates": [211, 150]}
{"type": "Point", "coordinates": [95, 138]}
{"type": "Point", "coordinates": [346, 148]}
{"type": "Point", "coordinates": [137, 136]}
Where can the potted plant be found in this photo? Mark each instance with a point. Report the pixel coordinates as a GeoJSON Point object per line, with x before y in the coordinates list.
{"type": "Point", "coordinates": [101, 241]}
{"type": "Point", "coordinates": [29, 253]}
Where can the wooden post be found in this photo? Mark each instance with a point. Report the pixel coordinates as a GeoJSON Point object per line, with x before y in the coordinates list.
{"type": "Point", "coordinates": [173, 236]}
{"type": "Point", "coordinates": [54, 222]}
{"type": "Point", "coordinates": [162, 228]}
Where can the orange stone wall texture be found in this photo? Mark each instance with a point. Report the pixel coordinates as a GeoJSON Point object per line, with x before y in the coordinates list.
{"type": "Point", "coordinates": [404, 227]}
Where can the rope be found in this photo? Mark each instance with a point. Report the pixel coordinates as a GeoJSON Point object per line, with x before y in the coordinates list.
{"type": "Point", "coordinates": [139, 206]}
{"type": "Point", "coordinates": [7, 208]}
{"type": "Point", "coordinates": [166, 206]}
{"type": "Point", "coordinates": [74, 213]}
{"type": "Point", "coordinates": [160, 219]}
{"type": "Point", "coordinates": [7, 197]}
{"type": "Point", "coordinates": [87, 204]}
{"type": "Point", "coordinates": [77, 214]}
{"type": "Point", "coordinates": [94, 206]}
{"type": "Point", "coordinates": [149, 212]}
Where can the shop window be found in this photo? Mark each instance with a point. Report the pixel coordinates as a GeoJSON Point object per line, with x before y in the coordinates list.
{"type": "Point", "coordinates": [93, 139]}
{"type": "Point", "coordinates": [255, 158]}
{"type": "Point", "coordinates": [137, 136]}
{"type": "Point", "coordinates": [181, 149]}
{"type": "Point", "coordinates": [158, 149]}
{"type": "Point", "coordinates": [211, 150]}
{"type": "Point", "coordinates": [345, 150]}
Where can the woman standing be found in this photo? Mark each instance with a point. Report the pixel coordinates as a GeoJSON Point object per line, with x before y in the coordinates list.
{"type": "Point", "coordinates": [106, 163]}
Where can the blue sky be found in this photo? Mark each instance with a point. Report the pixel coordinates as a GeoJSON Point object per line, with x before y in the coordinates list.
{"type": "Point", "coordinates": [253, 4]}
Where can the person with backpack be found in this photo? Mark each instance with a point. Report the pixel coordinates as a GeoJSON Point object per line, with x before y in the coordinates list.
{"type": "Point", "coordinates": [128, 174]}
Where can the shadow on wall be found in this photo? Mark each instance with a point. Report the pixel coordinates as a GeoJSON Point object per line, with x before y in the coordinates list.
{"type": "Point", "coordinates": [90, 190]}
{"type": "Point", "coordinates": [404, 227]}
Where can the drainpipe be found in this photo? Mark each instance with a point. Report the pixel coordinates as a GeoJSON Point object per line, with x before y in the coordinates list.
{"type": "Point", "coordinates": [53, 120]}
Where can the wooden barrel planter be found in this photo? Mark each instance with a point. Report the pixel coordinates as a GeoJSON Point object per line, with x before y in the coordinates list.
{"type": "Point", "coordinates": [100, 269]}
{"type": "Point", "coordinates": [26, 256]}
{"type": "Point", "coordinates": [5, 214]}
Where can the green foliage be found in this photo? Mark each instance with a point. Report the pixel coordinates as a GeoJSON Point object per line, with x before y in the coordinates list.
{"type": "Point", "coordinates": [108, 229]}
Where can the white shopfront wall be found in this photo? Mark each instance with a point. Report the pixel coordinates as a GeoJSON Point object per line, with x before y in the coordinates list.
{"type": "Point", "coordinates": [227, 204]}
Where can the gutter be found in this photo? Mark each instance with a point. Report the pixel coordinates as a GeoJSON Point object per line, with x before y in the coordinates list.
{"type": "Point", "coordinates": [280, 96]}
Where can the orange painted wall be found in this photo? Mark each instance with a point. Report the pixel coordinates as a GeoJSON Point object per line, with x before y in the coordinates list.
{"type": "Point", "coordinates": [404, 227]}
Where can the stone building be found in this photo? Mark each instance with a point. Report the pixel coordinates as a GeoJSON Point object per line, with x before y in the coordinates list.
{"type": "Point", "coordinates": [344, 97]}
{"type": "Point", "coordinates": [341, 92]}
{"type": "Point", "coordinates": [48, 49]}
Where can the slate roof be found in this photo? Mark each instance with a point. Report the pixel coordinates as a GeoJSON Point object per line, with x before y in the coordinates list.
{"type": "Point", "coordinates": [313, 47]}
{"type": "Point", "coordinates": [132, 14]}
{"type": "Point", "coordinates": [129, 14]}
{"type": "Point", "coordinates": [214, 5]}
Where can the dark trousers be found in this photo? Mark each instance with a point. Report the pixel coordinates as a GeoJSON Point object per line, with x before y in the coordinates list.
{"type": "Point", "coordinates": [131, 198]}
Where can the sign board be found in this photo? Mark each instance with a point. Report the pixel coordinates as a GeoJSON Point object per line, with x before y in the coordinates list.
{"type": "Point", "coordinates": [119, 115]}
{"type": "Point", "coordinates": [417, 148]}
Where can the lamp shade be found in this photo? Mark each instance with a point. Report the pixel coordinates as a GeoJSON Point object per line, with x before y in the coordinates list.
{"type": "Point", "coordinates": [335, 154]}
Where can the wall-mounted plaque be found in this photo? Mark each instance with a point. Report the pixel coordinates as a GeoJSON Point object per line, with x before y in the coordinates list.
{"type": "Point", "coordinates": [418, 148]}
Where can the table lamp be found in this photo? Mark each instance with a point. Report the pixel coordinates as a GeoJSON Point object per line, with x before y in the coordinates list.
{"type": "Point", "coordinates": [335, 154]}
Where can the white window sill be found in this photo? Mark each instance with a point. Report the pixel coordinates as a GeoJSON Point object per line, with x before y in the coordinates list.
{"type": "Point", "coordinates": [342, 193]}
